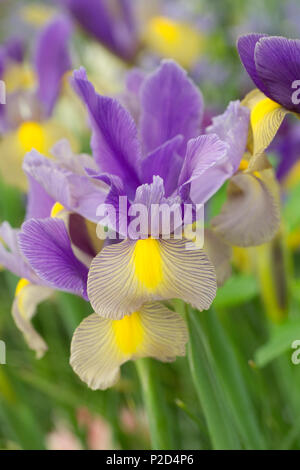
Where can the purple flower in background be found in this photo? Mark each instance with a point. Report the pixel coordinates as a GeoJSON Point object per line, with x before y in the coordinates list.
{"type": "Point", "coordinates": [25, 118]}
{"type": "Point", "coordinates": [287, 147]}
{"type": "Point", "coordinates": [111, 22]}
{"type": "Point", "coordinates": [273, 63]}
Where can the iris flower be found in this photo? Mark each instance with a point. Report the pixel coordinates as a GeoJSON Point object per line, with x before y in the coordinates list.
{"type": "Point", "coordinates": [273, 63]}
{"type": "Point", "coordinates": [160, 158]}
{"type": "Point", "coordinates": [25, 118]}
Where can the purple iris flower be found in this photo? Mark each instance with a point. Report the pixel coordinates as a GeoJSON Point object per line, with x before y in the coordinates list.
{"type": "Point", "coordinates": [111, 22]}
{"type": "Point", "coordinates": [273, 63]}
{"type": "Point", "coordinates": [163, 149]}
{"type": "Point", "coordinates": [160, 159]}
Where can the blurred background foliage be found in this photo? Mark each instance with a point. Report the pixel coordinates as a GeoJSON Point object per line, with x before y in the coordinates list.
{"type": "Point", "coordinates": [247, 388]}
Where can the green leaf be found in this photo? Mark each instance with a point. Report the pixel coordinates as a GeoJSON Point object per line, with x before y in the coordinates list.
{"type": "Point", "coordinates": [236, 291]}
{"type": "Point", "coordinates": [219, 420]}
{"type": "Point", "coordinates": [228, 370]}
{"type": "Point", "coordinates": [281, 341]}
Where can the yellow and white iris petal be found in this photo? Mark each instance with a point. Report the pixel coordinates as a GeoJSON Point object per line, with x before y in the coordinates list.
{"type": "Point", "coordinates": [266, 118]}
{"type": "Point", "coordinates": [27, 298]}
{"type": "Point", "coordinates": [100, 346]}
{"type": "Point", "coordinates": [251, 214]}
{"type": "Point", "coordinates": [175, 40]}
{"type": "Point", "coordinates": [125, 275]}
{"type": "Point", "coordinates": [15, 145]}
{"type": "Point", "coordinates": [19, 77]}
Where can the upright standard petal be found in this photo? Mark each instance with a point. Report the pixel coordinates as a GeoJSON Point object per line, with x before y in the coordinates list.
{"type": "Point", "coordinates": [39, 203]}
{"type": "Point", "coordinates": [28, 296]}
{"type": "Point", "coordinates": [100, 346]}
{"type": "Point", "coordinates": [164, 162]}
{"type": "Point", "coordinates": [170, 105]}
{"type": "Point", "coordinates": [246, 48]}
{"type": "Point", "coordinates": [232, 127]}
{"type": "Point", "coordinates": [205, 168]}
{"type": "Point", "coordinates": [149, 270]}
{"type": "Point", "coordinates": [46, 245]}
{"type": "Point", "coordinates": [277, 62]}
{"type": "Point", "coordinates": [52, 60]}
{"type": "Point", "coordinates": [114, 141]}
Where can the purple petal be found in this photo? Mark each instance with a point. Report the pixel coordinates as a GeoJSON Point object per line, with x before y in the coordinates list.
{"type": "Point", "coordinates": [15, 49]}
{"type": "Point", "coordinates": [10, 255]}
{"type": "Point", "coordinates": [232, 127]}
{"type": "Point", "coordinates": [39, 202]}
{"type": "Point", "coordinates": [114, 27]}
{"type": "Point", "coordinates": [246, 47]}
{"type": "Point", "coordinates": [114, 142]}
{"type": "Point", "coordinates": [52, 60]}
{"type": "Point", "coordinates": [164, 162]}
{"type": "Point", "coordinates": [278, 66]}
{"type": "Point", "coordinates": [46, 245]}
{"type": "Point", "coordinates": [171, 105]}
{"type": "Point", "coordinates": [205, 168]}
{"type": "Point", "coordinates": [75, 192]}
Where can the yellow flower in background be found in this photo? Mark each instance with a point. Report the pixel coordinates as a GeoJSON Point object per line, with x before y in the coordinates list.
{"type": "Point", "coordinates": [30, 134]}
{"type": "Point", "coordinates": [37, 14]}
{"type": "Point", "coordinates": [176, 40]}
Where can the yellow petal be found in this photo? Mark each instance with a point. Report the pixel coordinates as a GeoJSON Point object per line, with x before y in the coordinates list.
{"type": "Point", "coordinates": [100, 346]}
{"type": "Point", "coordinates": [266, 118]}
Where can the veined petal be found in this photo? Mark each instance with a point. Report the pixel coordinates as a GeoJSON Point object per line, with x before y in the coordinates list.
{"type": "Point", "coordinates": [39, 203]}
{"type": "Point", "coordinates": [76, 192]}
{"type": "Point", "coordinates": [124, 276]}
{"type": "Point", "coordinates": [164, 162]}
{"type": "Point", "coordinates": [46, 245]}
{"type": "Point", "coordinates": [251, 215]}
{"type": "Point", "coordinates": [171, 105]}
{"type": "Point", "coordinates": [205, 168]}
{"type": "Point", "coordinates": [100, 346]}
{"type": "Point", "coordinates": [28, 296]}
{"type": "Point", "coordinates": [266, 118]}
{"type": "Point", "coordinates": [11, 256]}
{"type": "Point", "coordinates": [232, 127]}
{"type": "Point", "coordinates": [114, 142]}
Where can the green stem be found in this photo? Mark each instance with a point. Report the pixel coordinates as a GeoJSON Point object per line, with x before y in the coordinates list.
{"type": "Point", "coordinates": [159, 416]}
